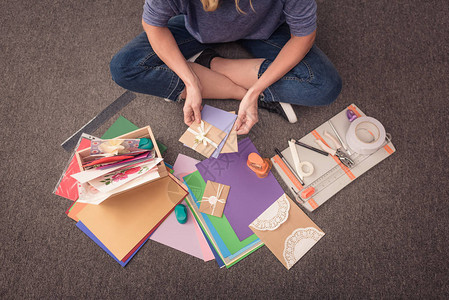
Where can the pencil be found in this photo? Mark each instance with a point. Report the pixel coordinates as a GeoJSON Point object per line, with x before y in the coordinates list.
{"type": "Point", "coordinates": [311, 148]}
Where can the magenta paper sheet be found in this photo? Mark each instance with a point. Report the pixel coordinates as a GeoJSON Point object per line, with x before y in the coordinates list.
{"type": "Point", "coordinates": [249, 195]}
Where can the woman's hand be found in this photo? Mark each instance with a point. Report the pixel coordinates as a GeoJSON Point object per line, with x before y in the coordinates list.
{"type": "Point", "coordinates": [248, 115]}
{"type": "Point", "coordinates": [192, 107]}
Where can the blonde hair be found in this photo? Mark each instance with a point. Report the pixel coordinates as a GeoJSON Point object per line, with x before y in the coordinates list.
{"type": "Point", "coordinates": [212, 5]}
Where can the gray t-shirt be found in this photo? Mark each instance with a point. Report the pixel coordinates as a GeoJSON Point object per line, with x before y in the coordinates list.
{"type": "Point", "coordinates": [226, 24]}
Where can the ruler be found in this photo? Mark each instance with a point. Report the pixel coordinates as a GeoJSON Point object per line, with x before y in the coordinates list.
{"type": "Point", "coordinates": [99, 119]}
{"type": "Point", "coordinates": [330, 176]}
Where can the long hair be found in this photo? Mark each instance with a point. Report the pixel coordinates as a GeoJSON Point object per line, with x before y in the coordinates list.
{"type": "Point", "coordinates": [212, 5]}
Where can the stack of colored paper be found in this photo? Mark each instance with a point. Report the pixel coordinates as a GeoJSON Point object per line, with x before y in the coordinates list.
{"type": "Point", "coordinates": [249, 196]}
{"type": "Point", "coordinates": [122, 227]}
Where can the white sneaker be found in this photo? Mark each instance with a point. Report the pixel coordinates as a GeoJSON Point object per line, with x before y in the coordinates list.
{"type": "Point", "coordinates": [285, 110]}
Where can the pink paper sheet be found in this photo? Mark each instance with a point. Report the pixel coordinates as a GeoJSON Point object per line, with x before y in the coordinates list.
{"type": "Point", "coordinates": [182, 237]}
{"type": "Point", "coordinates": [183, 166]}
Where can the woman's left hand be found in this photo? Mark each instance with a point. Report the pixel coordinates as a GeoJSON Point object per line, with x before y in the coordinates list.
{"type": "Point", "coordinates": [248, 115]}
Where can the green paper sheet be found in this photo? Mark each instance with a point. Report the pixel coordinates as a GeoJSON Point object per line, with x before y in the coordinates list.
{"type": "Point", "coordinates": [197, 185]}
{"type": "Point", "coordinates": [122, 126]}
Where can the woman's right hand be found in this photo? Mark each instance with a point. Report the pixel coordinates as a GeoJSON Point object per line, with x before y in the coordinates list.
{"type": "Point", "coordinates": [192, 106]}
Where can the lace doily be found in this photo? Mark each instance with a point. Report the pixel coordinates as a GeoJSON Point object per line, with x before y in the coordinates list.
{"type": "Point", "coordinates": [274, 216]}
{"type": "Point", "coordinates": [299, 242]}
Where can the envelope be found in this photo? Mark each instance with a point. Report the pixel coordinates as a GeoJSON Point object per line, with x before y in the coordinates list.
{"type": "Point", "coordinates": [203, 138]}
{"type": "Point", "coordinates": [214, 198]}
{"type": "Point", "coordinates": [286, 230]}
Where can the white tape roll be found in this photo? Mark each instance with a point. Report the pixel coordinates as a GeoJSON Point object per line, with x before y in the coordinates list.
{"type": "Point", "coordinates": [365, 135]}
{"type": "Point", "coordinates": [306, 168]}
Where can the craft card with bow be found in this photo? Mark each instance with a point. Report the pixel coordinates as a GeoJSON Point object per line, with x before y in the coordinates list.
{"type": "Point", "coordinates": [214, 198]}
{"type": "Point", "coordinates": [203, 138]}
{"type": "Point", "coordinates": [286, 230]}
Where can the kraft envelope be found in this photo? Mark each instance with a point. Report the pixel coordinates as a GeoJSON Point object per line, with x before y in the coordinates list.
{"type": "Point", "coordinates": [211, 134]}
{"type": "Point", "coordinates": [123, 220]}
{"type": "Point", "coordinates": [214, 199]}
{"type": "Point", "coordinates": [286, 230]}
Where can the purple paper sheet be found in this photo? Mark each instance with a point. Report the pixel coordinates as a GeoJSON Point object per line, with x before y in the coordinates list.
{"type": "Point", "coordinates": [249, 195]}
{"type": "Point", "coordinates": [221, 119]}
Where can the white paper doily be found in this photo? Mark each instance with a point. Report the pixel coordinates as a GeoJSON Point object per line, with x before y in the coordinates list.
{"type": "Point", "coordinates": [274, 216]}
{"type": "Point", "coordinates": [299, 242]}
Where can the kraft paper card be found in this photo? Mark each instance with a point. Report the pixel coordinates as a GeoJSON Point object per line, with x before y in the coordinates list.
{"type": "Point", "coordinates": [286, 230]}
{"type": "Point", "coordinates": [203, 138]}
{"type": "Point", "coordinates": [214, 199]}
{"type": "Point", "coordinates": [249, 195]}
{"type": "Point", "coordinates": [122, 221]}
{"type": "Point", "coordinates": [231, 144]}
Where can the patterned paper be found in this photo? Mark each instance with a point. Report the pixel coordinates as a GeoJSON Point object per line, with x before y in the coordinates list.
{"type": "Point", "coordinates": [286, 230]}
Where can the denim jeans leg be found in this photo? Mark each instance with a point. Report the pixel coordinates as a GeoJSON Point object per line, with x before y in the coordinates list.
{"type": "Point", "coordinates": [313, 82]}
{"type": "Point", "coordinates": [136, 66]}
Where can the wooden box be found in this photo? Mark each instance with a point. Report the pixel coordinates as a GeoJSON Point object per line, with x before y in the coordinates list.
{"type": "Point", "coordinates": [144, 132]}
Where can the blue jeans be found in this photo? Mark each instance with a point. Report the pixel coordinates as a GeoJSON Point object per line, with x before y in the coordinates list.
{"type": "Point", "coordinates": [314, 81]}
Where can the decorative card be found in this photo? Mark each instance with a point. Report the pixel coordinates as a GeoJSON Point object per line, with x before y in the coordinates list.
{"type": "Point", "coordinates": [203, 138]}
{"type": "Point", "coordinates": [114, 146]}
{"type": "Point", "coordinates": [89, 194]}
{"type": "Point", "coordinates": [286, 230]}
{"type": "Point", "coordinates": [214, 198]}
{"type": "Point", "coordinates": [113, 180]}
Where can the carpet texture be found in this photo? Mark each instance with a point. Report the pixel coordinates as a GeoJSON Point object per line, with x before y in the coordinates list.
{"type": "Point", "coordinates": [386, 233]}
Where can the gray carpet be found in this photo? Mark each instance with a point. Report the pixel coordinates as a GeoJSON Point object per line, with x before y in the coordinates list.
{"type": "Point", "coordinates": [386, 233]}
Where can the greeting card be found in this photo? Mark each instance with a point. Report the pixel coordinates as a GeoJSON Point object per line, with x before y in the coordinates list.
{"type": "Point", "coordinates": [214, 199]}
{"type": "Point", "coordinates": [203, 138]}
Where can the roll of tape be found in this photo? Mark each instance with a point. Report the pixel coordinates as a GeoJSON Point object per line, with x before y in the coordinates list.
{"type": "Point", "coordinates": [365, 135]}
{"type": "Point", "coordinates": [306, 168]}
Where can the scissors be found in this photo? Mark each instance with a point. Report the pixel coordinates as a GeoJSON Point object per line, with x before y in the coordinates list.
{"type": "Point", "coordinates": [342, 156]}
